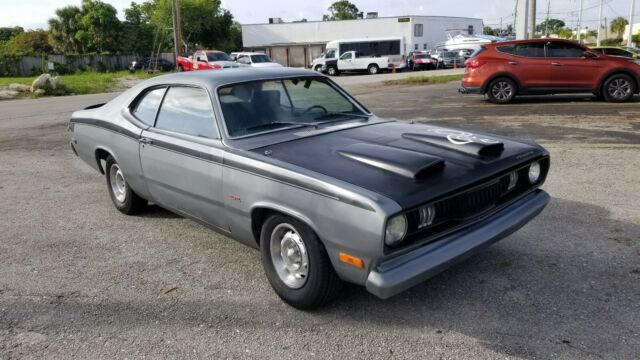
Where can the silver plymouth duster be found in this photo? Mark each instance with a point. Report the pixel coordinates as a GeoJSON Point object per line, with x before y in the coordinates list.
{"type": "Point", "coordinates": [286, 161]}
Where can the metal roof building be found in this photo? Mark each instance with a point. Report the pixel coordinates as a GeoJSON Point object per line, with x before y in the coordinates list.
{"type": "Point", "coordinates": [298, 43]}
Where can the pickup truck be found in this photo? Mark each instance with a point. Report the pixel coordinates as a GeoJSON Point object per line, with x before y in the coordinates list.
{"type": "Point", "coordinates": [205, 60]}
{"type": "Point", "coordinates": [351, 61]}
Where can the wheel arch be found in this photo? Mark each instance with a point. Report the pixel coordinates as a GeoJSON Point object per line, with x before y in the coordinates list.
{"type": "Point", "coordinates": [485, 86]}
{"type": "Point", "coordinates": [100, 154]}
{"type": "Point", "coordinates": [260, 211]}
{"type": "Point", "coordinates": [606, 76]}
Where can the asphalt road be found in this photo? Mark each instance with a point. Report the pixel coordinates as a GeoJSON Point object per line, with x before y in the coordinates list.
{"type": "Point", "coordinates": [80, 280]}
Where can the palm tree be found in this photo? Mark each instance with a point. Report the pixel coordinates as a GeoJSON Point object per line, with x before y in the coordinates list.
{"type": "Point", "coordinates": [618, 24]}
{"type": "Point", "coordinates": [65, 30]}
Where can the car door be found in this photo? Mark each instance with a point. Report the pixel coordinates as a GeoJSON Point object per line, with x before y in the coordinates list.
{"type": "Point", "coordinates": [181, 156]}
{"type": "Point", "coordinates": [346, 61]}
{"type": "Point", "coordinates": [200, 61]}
{"type": "Point", "coordinates": [570, 68]}
{"type": "Point", "coordinates": [529, 65]}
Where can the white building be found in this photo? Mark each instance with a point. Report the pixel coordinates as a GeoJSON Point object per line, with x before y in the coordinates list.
{"type": "Point", "coordinates": [298, 43]}
{"type": "Point", "coordinates": [625, 34]}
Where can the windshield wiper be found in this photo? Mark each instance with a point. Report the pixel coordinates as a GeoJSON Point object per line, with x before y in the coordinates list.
{"type": "Point", "coordinates": [342, 114]}
{"type": "Point", "coordinates": [280, 123]}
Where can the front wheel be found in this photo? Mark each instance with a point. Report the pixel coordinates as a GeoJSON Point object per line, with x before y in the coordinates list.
{"type": "Point", "coordinates": [502, 91]}
{"type": "Point", "coordinates": [122, 196]}
{"type": "Point", "coordinates": [296, 263]}
{"type": "Point", "coordinates": [332, 71]}
{"type": "Point", "coordinates": [618, 88]}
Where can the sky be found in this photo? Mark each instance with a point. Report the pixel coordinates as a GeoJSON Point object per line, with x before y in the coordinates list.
{"type": "Point", "coordinates": [32, 14]}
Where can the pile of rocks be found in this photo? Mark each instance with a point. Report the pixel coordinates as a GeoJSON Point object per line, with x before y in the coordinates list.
{"type": "Point", "coordinates": [44, 84]}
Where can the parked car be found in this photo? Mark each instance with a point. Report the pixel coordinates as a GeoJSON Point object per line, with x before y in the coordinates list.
{"type": "Point", "coordinates": [151, 63]}
{"type": "Point", "coordinates": [206, 60]}
{"type": "Point", "coordinates": [448, 59]}
{"type": "Point", "coordinates": [628, 52]}
{"type": "Point", "coordinates": [352, 61]}
{"type": "Point", "coordinates": [548, 66]}
{"type": "Point", "coordinates": [420, 60]}
{"type": "Point", "coordinates": [254, 59]}
{"type": "Point", "coordinates": [286, 161]}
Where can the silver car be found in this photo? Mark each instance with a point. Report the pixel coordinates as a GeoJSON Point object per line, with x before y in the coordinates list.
{"type": "Point", "coordinates": [286, 161]}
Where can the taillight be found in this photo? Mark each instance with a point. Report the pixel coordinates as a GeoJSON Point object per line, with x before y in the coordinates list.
{"type": "Point", "coordinates": [474, 63]}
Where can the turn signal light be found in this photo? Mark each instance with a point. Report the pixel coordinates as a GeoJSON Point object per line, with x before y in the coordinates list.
{"type": "Point", "coordinates": [351, 260]}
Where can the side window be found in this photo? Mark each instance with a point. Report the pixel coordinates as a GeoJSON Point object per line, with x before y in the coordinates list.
{"type": "Point", "coordinates": [618, 52]}
{"type": "Point", "coordinates": [533, 50]}
{"type": "Point", "coordinates": [563, 50]}
{"type": "Point", "coordinates": [418, 30]}
{"type": "Point", "coordinates": [345, 56]}
{"type": "Point", "coordinates": [507, 49]}
{"type": "Point", "coordinates": [147, 107]}
{"type": "Point", "coordinates": [188, 111]}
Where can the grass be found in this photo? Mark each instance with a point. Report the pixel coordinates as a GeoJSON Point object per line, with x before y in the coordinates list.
{"type": "Point", "coordinates": [424, 80]}
{"type": "Point", "coordinates": [87, 82]}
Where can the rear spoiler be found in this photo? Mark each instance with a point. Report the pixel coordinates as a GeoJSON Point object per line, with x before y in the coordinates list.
{"type": "Point", "coordinates": [95, 106]}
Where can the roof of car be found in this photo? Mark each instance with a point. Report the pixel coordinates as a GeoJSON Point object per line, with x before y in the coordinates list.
{"type": "Point", "coordinates": [211, 79]}
{"type": "Point", "coordinates": [513, 42]}
{"type": "Point", "coordinates": [248, 53]}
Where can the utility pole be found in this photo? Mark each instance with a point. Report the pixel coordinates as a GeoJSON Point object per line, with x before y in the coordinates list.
{"type": "Point", "coordinates": [515, 17]}
{"type": "Point", "coordinates": [579, 27]}
{"type": "Point", "coordinates": [630, 33]}
{"type": "Point", "coordinates": [606, 28]}
{"type": "Point", "coordinates": [599, 22]}
{"type": "Point", "coordinates": [546, 27]}
{"type": "Point", "coordinates": [500, 26]}
{"type": "Point", "coordinates": [532, 19]}
{"type": "Point", "coordinates": [177, 33]}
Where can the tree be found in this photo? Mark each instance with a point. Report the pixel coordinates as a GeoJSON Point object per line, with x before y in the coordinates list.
{"type": "Point", "coordinates": [618, 25]}
{"type": "Point", "coordinates": [564, 33]}
{"type": "Point", "coordinates": [550, 26]}
{"type": "Point", "coordinates": [101, 26]}
{"type": "Point", "coordinates": [63, 30]}
{"type": "Point", "coordinates": [137, 31]}
{"type": "Point", "coordinates": [341, 10]}
{"type": "Point", "coordinates": [6, 33]}
{"type": "Point", "coordinates": [29, 42]}
{"type": "Point", "coordinates": [488, 30]}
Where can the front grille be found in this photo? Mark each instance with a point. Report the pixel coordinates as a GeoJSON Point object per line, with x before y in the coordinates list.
{"type": "Point", "coordinates": [458, 209]}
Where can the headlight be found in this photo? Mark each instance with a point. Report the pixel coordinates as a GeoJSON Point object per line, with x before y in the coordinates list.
{"type": "Point", "coordinates": [396, 230]}
{"type": "Point", "coordinates": [534, 172]}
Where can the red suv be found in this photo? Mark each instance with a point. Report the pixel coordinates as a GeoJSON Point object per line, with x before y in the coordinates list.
{"type": "Point", "coordinates": [548, 66]}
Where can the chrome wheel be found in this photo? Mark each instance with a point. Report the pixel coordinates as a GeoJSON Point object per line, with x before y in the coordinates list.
{"type": "Point", "coordinates": [289, 256]}
{"type": "Point", "coordinates": [502, 91]}
{"type": "Point", "coordinates": [620, 88]}
{"type": "Point", "coordinates": [118, 184]}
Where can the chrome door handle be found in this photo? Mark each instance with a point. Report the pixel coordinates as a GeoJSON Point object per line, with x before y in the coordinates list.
{"type": "Point", "coordinates": [145, 141]}
{"type": "Point", "coordinates": [513, 63]}
{"type": "Point", "coordinates": [555, 63]}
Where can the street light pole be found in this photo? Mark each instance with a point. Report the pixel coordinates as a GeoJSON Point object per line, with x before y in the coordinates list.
{"type": "Point", "coordinates": [579, 27]}
{"type": "Point", "coordinates": [630, 33]}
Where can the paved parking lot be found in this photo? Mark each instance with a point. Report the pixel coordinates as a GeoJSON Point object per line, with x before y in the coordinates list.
{"type": "Point", "coordinates": [79, 279]}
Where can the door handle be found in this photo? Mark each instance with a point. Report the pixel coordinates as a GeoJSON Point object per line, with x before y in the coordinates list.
{"type": "Point", "coordinates": [513, 63]}
{"type": "Point", "coordinates": [145, 141]}
{"type": "Point", "coordinates": [555, 63]}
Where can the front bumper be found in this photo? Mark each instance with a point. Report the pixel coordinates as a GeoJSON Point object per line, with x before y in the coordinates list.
{"type": "Point", "coordinates": [400, 273]}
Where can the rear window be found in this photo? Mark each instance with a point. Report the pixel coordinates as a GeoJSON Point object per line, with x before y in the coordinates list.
{"type": "Point", "coordinates": [422, 56]}
{"type": "Point", "coordinates": [147, 107]}
{"type": "Point", "coordinates": [477, 52]}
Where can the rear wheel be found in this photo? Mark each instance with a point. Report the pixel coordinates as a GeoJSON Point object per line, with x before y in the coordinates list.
{"type": "Point", "coordinates": [180, 68]}
{"type": "Point", "coordinates": [122, 196]}
{"type": "Point", "coordinates": [501, 91]}
{"type": "Point", "coordinates": [618, 88]}
{"type": "Point", "coordinates": [373, 69]}
{"type": "Point", "coordinates": [296, 263]}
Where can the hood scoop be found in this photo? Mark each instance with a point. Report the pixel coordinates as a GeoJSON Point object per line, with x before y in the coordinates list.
{"type": "Point", "coordinates": [405, 163]}
{"type": "Point", "coordinates": [462, 141]}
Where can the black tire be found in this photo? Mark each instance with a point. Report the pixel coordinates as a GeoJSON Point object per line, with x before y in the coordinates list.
{"type": "Point", "coordinates": [412, 66]}
{"type": "Point", "coordinates": [180, 68]}
{"type": "Point", "coordinates": [332, 71]}
{"type": "Point", "coordinates": [127, 202]}
{"type": "Point", "coordinates": [618, 88]}
{"type": "Point", "coordinates": [373, 69]}
{"type": "Point", "coordinates": [321, 284]}
{"type": "Point", "coordinates": [502, 90]}
{"type": "Point", "coordinates": [318, 68]}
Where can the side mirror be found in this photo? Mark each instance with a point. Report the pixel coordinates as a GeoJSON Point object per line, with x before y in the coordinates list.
{"type": "Point", "coordinates": [589, 55]}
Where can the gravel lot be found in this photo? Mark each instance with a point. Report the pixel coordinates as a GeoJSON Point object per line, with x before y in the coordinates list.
{"type": "Point", "coordinates": [80, 280]}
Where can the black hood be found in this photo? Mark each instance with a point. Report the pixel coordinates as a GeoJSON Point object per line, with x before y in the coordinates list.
{"type": "Point", "coordinates": [409, 163]}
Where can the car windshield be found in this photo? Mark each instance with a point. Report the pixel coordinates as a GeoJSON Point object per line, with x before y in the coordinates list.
{"type": "Point", "coordinates": [260, 59]}
{"type": "Point", "coordinates": [218, 56]}
{"type": "Point", "coordinates": [422, 56]}
{"type": "Point", "coordinates": [272, 105]}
